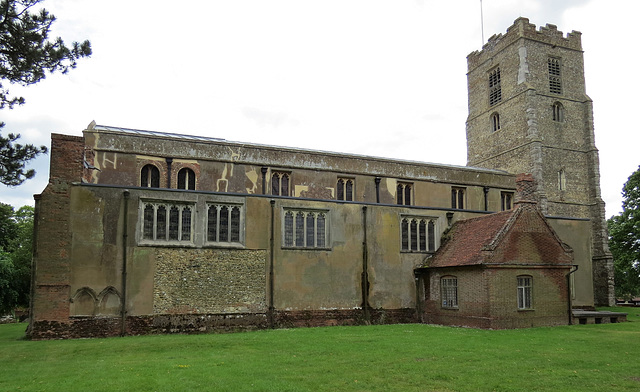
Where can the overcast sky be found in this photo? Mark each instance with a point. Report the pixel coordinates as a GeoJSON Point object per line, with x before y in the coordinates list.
{"type": "Point", "coordinates": [381, 78]}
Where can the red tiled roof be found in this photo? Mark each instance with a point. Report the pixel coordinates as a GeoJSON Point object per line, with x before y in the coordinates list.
{"type": "Point", "coordinates": [467, 238]}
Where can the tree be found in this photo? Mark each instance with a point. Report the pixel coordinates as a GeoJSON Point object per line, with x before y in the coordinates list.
{"type": "Point", "coordinates": [624, 240]}
{"type": "Point", "coordinates": [16, 249]}
{"type": "Point", "coordinates": [26, 56]}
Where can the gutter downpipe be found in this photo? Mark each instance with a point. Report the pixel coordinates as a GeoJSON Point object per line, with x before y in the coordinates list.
{"type": "Point", "coordinates": [365, 268]}
{"type": "Point", "coordinates": [125, 235]}
{"type": "Point", "coordinates": [271, 311]}
{"type": "Point", "coordinates": [377, 180]}
{"type": "Point", "coordinates": [569, 293]}
{"type": "Point", "coordinates": [486, 198]}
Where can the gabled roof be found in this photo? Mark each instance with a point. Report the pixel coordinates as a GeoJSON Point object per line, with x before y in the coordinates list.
{"type": "Point", "coordinates": [504, 237]}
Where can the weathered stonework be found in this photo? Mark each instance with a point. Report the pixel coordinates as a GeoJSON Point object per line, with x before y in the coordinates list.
{"type": "Point", "coordinates": [209, 281]}
{"type": "Point", "coordinates": [535, 139]}
{"type": "Point", "coordinates": [263, 241]}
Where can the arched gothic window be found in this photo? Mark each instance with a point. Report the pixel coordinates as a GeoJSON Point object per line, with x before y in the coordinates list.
{"type": "Point", "coordinates": [150, 176]}
{"type": "Point", "coordinates": [558, 112]}
{"type": "Point", "coordinates": [186, 179]}
{"type": "Point", "coordinates": [495, 122]}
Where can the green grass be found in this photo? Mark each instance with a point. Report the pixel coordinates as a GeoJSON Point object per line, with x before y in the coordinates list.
{"type": "Point", "coordinates": [409, 357]}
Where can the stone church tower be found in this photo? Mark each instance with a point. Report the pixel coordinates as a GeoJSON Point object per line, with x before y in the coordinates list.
{"type": "Point", "coordinates": [529, 113]}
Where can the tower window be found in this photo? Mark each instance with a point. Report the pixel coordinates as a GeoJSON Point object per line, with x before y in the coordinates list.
{"type": "Point", "coordinates": [562, 180]}
{"type": "Point", "coordinates": [495, 122]}
{"type": "Point", "coordinates": [558, 112]}
{"type": "Point", "coordinates": [555, 82]}
{"type": "Point", "coordinates": [403, 193]}
{"type": "Point", "coordinates": [457, 198]}
{"type": "Point", "coordinates": [495, 91]}
{"type": "Point", "coordinates": [186, 179]}
{"type": "Point", "coordinates": [150, 177]}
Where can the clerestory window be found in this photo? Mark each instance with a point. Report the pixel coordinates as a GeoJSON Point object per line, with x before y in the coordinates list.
{"type": "Point", "coordinates": [457, 198]}
{"type": "Point", "coordinates": [344, 189]}
{"type": "Point", "coordinates": [506, 200]}
{"type": "Point", "coordinates": [404, 192]}
{"type": "Point", "coordinates": [305, 229]}
{"type": "Point", "coordinates": [150, 176]}
{"type": "Point", "coordinates": [280, 182]}
{"type": "Point", "coordinates": [186, 179]}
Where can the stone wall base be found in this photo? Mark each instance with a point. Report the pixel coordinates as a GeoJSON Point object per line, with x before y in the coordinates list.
{"type": "Point", "coordinates": [100, 327]}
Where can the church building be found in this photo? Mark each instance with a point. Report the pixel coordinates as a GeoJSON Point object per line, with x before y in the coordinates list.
{"type": "Point", "coordinates": [148, 232]}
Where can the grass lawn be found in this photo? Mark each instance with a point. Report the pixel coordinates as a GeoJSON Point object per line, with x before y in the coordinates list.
{"type": "Point", "coordinates": [410, 357]}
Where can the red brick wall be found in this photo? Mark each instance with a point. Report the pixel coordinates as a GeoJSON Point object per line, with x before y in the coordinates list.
{"type": "Point", "coordinates": [53, 238]}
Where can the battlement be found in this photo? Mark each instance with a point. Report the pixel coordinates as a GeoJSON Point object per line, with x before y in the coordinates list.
{"type": "Point", "coordinates": [521, 28]}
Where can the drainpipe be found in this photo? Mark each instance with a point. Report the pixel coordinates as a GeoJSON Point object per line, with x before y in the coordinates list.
{"type": "Point", "coordinates": [169, 162]}
{"type": "Point", "coordinates": [264, 180]}
{"type": "Point", "coordinates": [270, 314]}
{"type": "Point", "coordinates": [486, 198]}
{"type": "Point", "coordinates": [377, 180]}
{"type": "Point", "coordinates": [365, 268]}
{"type": "Point", "coordinates": [125, 234]}
{"type": "Point", "coordinates": [569, 293]}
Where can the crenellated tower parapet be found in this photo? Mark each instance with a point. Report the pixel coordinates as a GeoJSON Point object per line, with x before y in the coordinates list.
{"type": "Point", "coordinates": [521, 28]}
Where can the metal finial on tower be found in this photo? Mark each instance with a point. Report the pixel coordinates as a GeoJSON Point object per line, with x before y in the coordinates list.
{"type": "Point", "coordinates": [481, 22]}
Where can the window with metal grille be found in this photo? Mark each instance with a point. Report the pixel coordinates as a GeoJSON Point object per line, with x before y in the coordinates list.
{"type": "Point", "coordinates": [403, 193]}
{"type": "Point", "coordinates": [457, 198]}
{"type": "Point", "coordinates": [186, 179]}
{"type": "Point", "coordinates": [224, 223]}
{"type": "Point", "coordinates": [304, 229]}
{"type": "Point", "coordinates": [166, 222]}
{"type": "Point", "coordinates": [495, 91]}
{"type": "Point", "coordinates": [150, 176]}
{"type": "Point", "coordinates": [506, 200]}
{"type": "Point", "coordinates": [344, 189]}
{"type": "Point", "coordinates": [417, 234]}
{"type": "Point", "coordinates": [555, 81]}
{"type": "Point", "coordinates": [525, 284]}
{"type": "Point", "coordinates": [280, 183]}
{"type": "Point", "coordinates": [449, 291]}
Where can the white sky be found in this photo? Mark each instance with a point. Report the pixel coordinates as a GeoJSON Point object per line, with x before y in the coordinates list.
{"type": "Point", "coordinates": [382, 78]}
